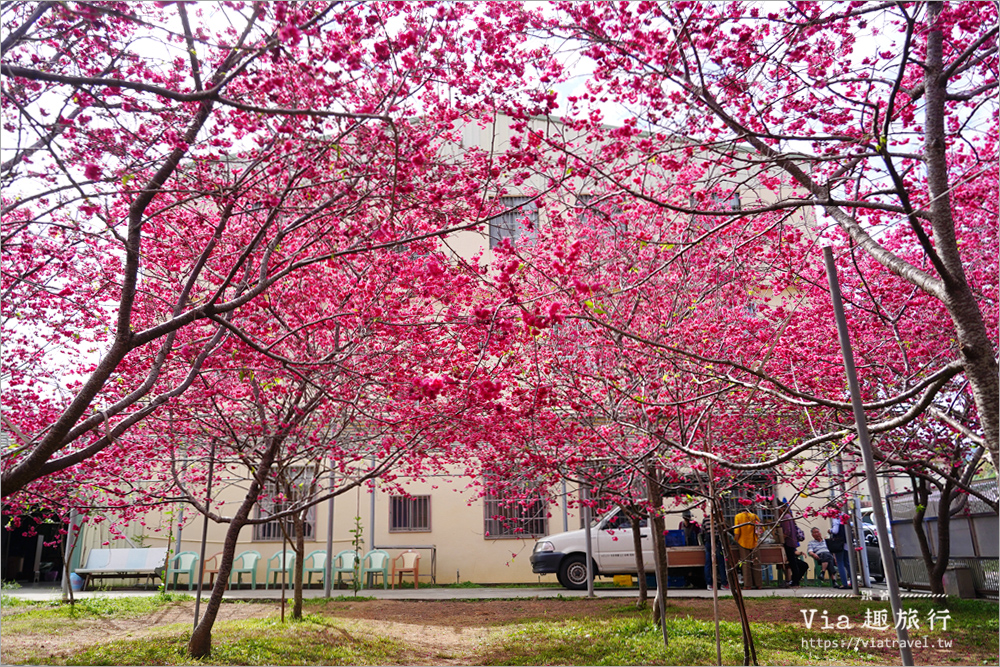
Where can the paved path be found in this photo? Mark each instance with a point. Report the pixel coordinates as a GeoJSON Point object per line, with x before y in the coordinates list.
{"type": "Point", "coordinates": [485, 593]}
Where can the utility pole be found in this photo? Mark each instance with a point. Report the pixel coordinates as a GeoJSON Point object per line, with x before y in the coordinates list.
{"type": "Point", "coordinates": [869, 460]}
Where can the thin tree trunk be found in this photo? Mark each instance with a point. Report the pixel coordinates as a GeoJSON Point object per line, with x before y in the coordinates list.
{"type": "Point", "coordinates": [920, 500]}
{"type": "Point", "coordinates": [640, 566]}
{"type": "Point", "coordinates": [200, 644]}
{"type": "Point", "coordinates": [749, 650]}
{"type": "Point", "coordinates": [657, 531]}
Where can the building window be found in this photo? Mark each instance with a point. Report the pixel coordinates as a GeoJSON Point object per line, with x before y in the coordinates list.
{"type": "Point", "coordinates": [748, 488]}
{"type": "Point", "coordinates": [519, 220]}
{"type": "Point", "coordinates": [523, 514]}
{"type": "Point", "coordinates": [278, 497]}
{"type": "Point", "coordinates": [409, 514]}
{"type": "Point", "coordinates": [730, 201]}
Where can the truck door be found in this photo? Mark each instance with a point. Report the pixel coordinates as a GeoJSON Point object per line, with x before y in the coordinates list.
{"type": "Point", "coordinates": [614, 550]}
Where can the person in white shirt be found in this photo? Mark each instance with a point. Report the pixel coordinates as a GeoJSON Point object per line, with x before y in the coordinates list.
{"type": "Point", "coordinates": [818, 550]}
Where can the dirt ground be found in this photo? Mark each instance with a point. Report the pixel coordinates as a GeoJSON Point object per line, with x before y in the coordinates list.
{"type": "Point", "coordinates": [436, 632]}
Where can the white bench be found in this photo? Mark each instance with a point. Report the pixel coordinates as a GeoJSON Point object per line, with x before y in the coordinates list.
{"type": "Point", "coordinates": [149, 562]}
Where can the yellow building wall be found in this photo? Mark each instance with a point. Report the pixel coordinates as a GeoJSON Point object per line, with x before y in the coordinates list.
{"type": "Point", "coordinates": [457, 532]}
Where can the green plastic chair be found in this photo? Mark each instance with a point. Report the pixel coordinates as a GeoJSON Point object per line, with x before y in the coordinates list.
{"type": "Point", "coordinates": [374, 563]}
{"type": "Point", "coordinates": [343, 563]}
{"type": "Point", "coordinates": [318, 559]}
{"type": "Point", "coordinates": [245, 563]}
{"type": "Point", "coordinates": [818, 573]}
{"type": "Point", "coordinates": [186, 562]}
{"type": "Point", "coordinates": [282, 563]}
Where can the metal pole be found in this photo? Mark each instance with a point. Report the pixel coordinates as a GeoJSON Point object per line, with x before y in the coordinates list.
{"type": "Point", "coordinates": [328, 572]}
{"type": "Point", "coordinates": [177, 544]}
{"type": "Point", "coordinates": [204, 534]}
{"type": "Point", "coordinates": [866, 454]}
{"type": "Point", "coordinates": [565, 508]}
{"type": "Point", "coordinates": [371, 497]}
{"type": "Point", "coordinates": [590, 550]}
{"type": "Point", "coordinates": [68, 551]}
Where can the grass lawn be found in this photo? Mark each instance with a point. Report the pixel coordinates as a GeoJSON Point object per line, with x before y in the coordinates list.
{"type": "Point", "coordinates": [626, 637]}
{"type": "Point", "coordinates": [314, 640]}
{"type": "Point", "coordinates": [347, 631]}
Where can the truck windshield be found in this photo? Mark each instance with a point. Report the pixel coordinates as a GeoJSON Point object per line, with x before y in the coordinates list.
{"type": "Point", "coordinates": [608, 516]}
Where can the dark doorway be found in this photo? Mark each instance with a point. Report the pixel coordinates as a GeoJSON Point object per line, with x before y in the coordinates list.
{"type": "Point", "coordinates": [28, 555]}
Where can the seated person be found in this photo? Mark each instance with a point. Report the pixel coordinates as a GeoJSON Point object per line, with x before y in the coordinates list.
{"type": "Point", "coordinates": [818, 550]}
{"type": "Point", "coordinates": [691, 529]}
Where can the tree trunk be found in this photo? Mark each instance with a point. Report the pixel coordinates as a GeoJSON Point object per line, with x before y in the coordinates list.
{"type": "Point", "coordinates": [935, 567]}
{"type": "Point", "coordinates": [657, 531]}
{"type": "Point", "coordinates": [749, 650]}
{"type": "Point", "coordinates": [640, 566]}
{"type": "Point", "coordinates": [974, 342]}
{"type": "Point", "coordinates": [200, 644]}
{"type": "Point", "coordinates": [920, 499]}
{"type": "Point", "coordinates": [936, 573]}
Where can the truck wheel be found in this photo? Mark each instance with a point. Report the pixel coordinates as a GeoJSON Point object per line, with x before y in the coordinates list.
{"type": "Point", "coordinates": [573, 572]}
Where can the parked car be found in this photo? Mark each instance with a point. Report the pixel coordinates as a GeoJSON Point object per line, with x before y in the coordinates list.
{"type": "Point", "coordinates": [875, 568]}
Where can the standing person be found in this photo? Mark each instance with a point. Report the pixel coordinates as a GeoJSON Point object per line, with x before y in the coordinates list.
{"type": "Point", "coordinates": [745, 527]}
{"type": "Point", "coordinates": [837, 544]}
{"type": "Point", "coordinates": [791, 532]}
{"type": "Point", "coordinates": [720, 558]}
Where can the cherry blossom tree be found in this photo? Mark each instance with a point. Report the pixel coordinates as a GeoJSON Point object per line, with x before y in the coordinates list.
{"type": "Point", "coordinates": [169, 163]}
{"type": "Point", "coordinates": [786, 110]}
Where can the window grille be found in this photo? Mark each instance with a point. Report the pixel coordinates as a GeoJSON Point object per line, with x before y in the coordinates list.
{"type": "Point", "coordinates": [409, 514]}
{"type": "Point", "coordinates": [730, 201]}
{"type": "Point", "coordinates": [523, 516]}
{"type": "Point", "coordinates": [731, 505]}
{"type": "Point", "coordinates": [520, 217]}
{"type": "Point", "coordinates": [272, 503]}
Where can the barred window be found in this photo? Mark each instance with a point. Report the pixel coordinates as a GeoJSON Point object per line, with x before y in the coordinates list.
{"type": "Point", "coordinates": [748, 488]}
{"type": "Point", "coordinates": [409, 514]}
{"type": "Point", "coordinates": [731, 201]}
{"type": "Point", "coordinates": [273, 502]}
{"type": "Point", "coordinates": [518, 221]}
{"type": "Point", "coordinates": [522, 516]}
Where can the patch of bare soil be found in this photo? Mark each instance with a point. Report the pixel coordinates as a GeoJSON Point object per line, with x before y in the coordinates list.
{"type": "Point", "coordinates": [453, 632]}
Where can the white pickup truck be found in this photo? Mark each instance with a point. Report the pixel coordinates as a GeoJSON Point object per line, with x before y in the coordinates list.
{"type": "Point", "coordinates": [613, 551]}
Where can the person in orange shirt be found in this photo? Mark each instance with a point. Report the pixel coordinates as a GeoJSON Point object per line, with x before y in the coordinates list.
{"type": "Point", "coordinates": [745, 527]}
